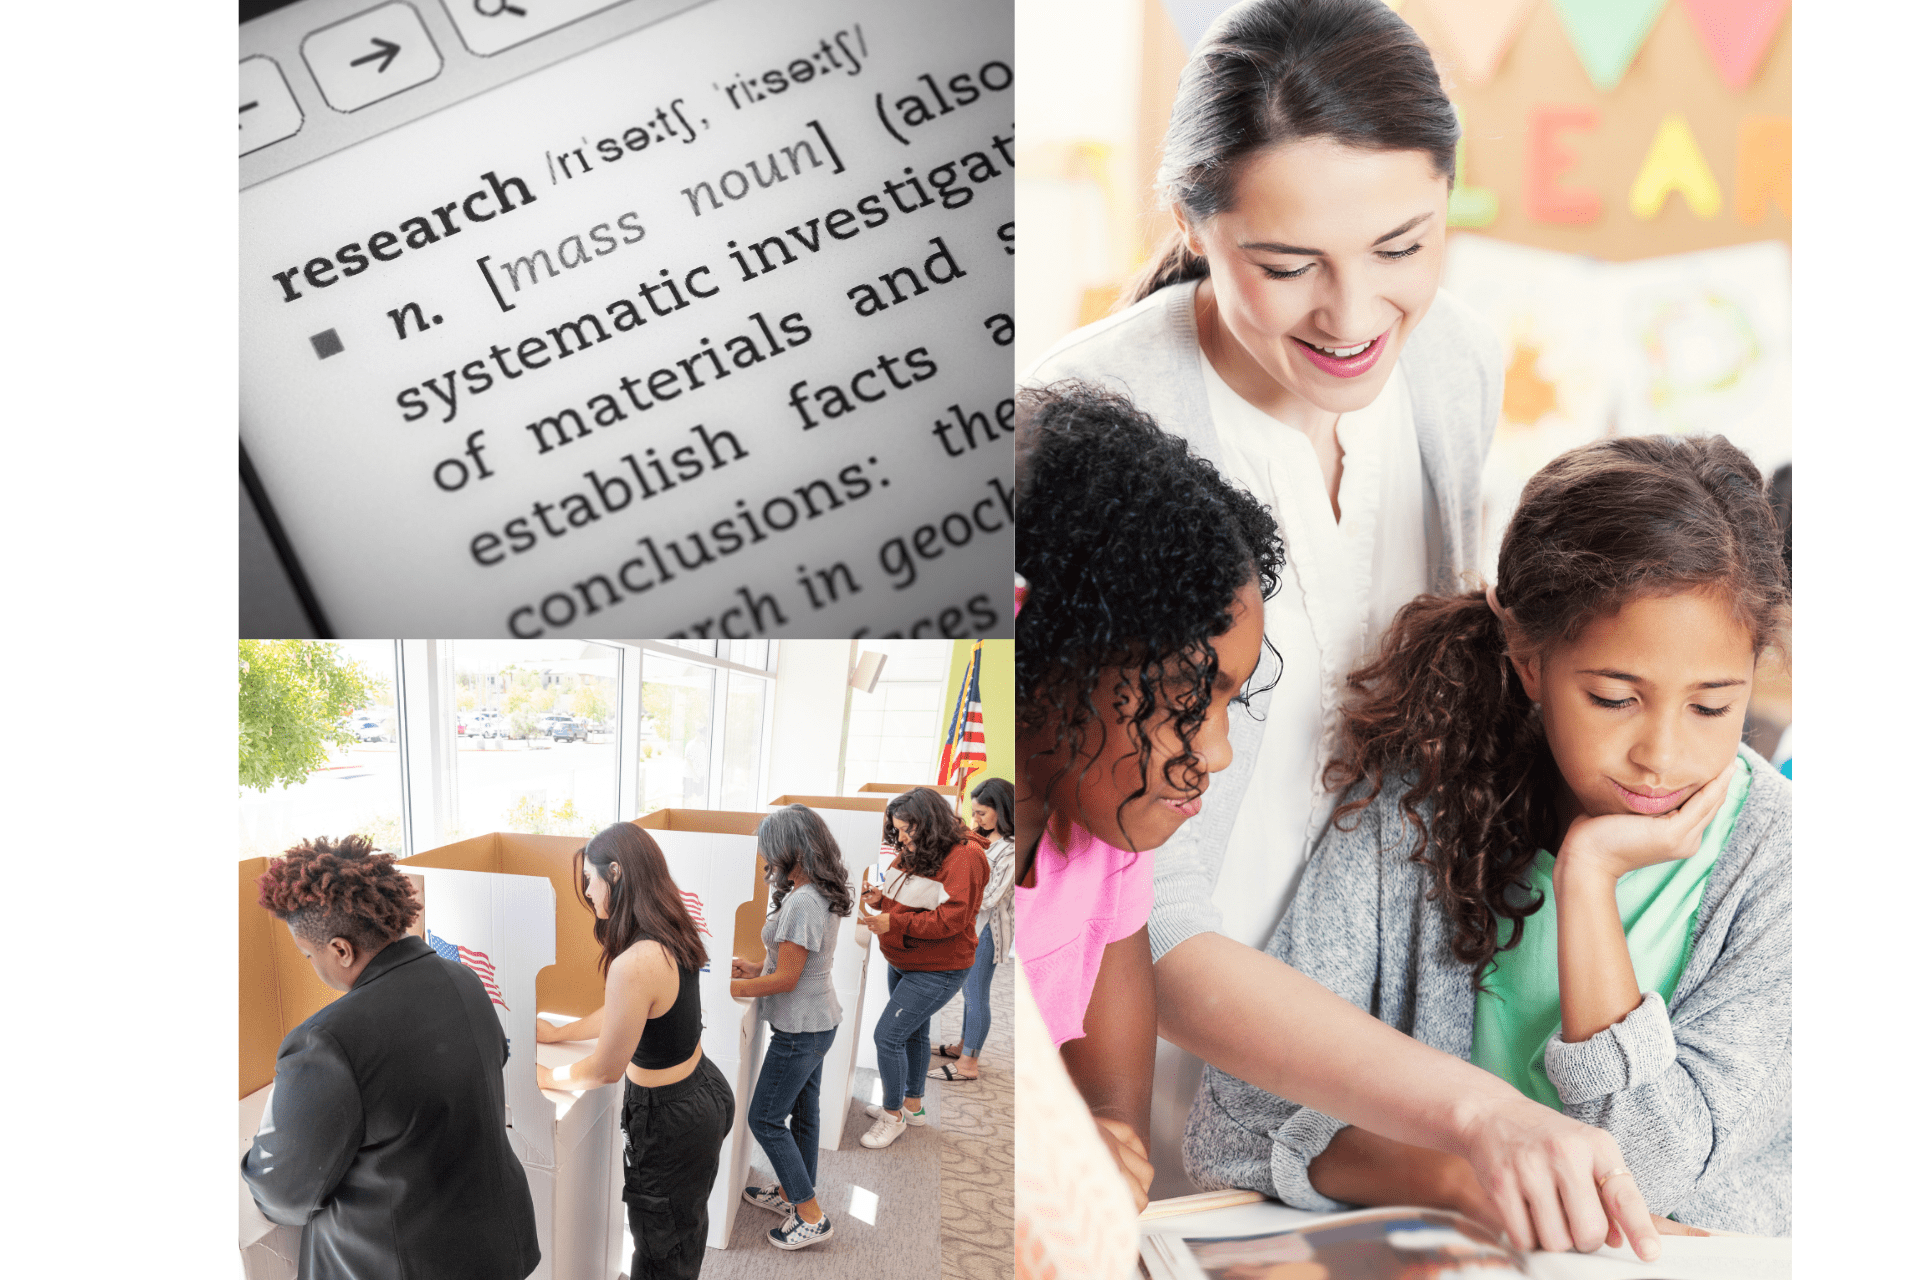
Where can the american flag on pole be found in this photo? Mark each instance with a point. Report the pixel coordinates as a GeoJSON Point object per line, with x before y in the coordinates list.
{"type": "Point", "coordinates": [696, 911]}
{"type": "Point", "coordinates": [966, 746]}
{"type": "Point", "coordinates": [474, 960]}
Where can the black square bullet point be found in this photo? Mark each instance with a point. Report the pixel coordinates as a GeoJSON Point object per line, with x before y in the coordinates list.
{"type": "Point", "coordinates": [327, 343]}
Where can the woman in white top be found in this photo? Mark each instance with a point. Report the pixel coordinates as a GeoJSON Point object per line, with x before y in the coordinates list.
{"type": "Point", "coordinates": [1294, 331]}
{"type": "Point", "coordinates": [992, 818]}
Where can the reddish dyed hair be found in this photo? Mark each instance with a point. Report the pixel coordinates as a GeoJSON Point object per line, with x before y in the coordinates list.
{"type": "Point", "coordinates": [645, 902]}
{"type": "Point", "coordinates": [329, 889]}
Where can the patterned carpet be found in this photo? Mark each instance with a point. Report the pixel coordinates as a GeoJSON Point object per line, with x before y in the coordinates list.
{"type": "Point", "coordinates": [976, 1152]}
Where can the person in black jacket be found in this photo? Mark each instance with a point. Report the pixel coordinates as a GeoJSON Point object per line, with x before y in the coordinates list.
{"type": "Point", "coordinates": [385, 1137]}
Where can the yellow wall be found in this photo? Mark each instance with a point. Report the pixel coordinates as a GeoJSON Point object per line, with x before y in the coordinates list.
{"type": "Point", "coordinates": [996, 703]}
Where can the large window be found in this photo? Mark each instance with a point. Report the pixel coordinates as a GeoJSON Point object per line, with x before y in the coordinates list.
{"type": "Point", "coordinates": [534, 728]}
{"type": "Point", "coordinates": [676, 733]}
{"type": "Point", "coordinates": [894, 733]}
{"type": "Point", "coordinates": [703, 727]}
{"type": "Point", "coordinates": [449, 739]}
{"type": "Point", "coordinates": [356, 788]}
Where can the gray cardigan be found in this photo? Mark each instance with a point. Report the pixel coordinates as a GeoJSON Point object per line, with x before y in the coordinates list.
{"type": "Point", "coordinates": [1151, 351]}
{"type": "Point", "coordinates": [1698, 1096]}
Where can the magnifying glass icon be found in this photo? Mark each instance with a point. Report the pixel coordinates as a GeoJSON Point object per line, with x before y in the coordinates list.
{"type": "Point", "coordinates": [498, 7]}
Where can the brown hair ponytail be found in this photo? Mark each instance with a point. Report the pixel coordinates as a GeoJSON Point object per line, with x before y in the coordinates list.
{"type": "Point", "coordinates": [1172, 263]}
{"type": "Point", "coordinates": [1442, 704]}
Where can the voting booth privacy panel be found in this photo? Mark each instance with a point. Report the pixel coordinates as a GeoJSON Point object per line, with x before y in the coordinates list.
{"type": "Point", "coordinates": [890, 789]}
{"type": "Point", "coordinates": [505, 905]}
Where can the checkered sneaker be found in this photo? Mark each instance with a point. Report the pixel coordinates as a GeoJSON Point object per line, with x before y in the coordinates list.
{"type": "Point", "coordinates": [768, 1198]}
{"type": "Point", "coordinates": [796, 1233]}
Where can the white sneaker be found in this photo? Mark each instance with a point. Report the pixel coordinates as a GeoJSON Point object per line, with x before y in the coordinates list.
{"type": "Point", "coordinates": [915, 1118]}
{"type": "Point", "coordinates": [768, 1198]}
{"type": "Point", "coordinates": [884, 1130]}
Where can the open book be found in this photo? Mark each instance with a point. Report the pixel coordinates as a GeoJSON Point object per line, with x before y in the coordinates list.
{"type": "Point", "coordinates": [1426, 1244]}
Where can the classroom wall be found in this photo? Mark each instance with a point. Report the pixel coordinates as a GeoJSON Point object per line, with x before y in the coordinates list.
{"type": "Point", "coordinates": [996, 703]}
{"type": "Point", "coordinates": [1549, 158]}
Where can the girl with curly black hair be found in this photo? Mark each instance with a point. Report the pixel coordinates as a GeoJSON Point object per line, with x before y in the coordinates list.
{"type": "Point", "coordinates": [1140, 624]}
{"type": "Point", "coordinates": [1144, 575]}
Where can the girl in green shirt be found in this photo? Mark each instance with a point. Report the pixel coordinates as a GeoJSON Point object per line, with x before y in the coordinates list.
{"type": "Point", "coordinates": [1553, 856]}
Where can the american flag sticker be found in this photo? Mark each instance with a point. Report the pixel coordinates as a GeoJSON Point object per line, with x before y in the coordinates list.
{"type": "Point", "coordinates": [699, 920]}
{"type": "Point", "coordinates": [474, 960]}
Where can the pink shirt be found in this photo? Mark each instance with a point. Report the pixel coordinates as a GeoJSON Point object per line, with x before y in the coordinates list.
{"type": "Point", "coordinates": [1095, 895]}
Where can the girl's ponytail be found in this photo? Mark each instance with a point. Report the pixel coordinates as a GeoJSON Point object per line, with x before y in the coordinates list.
{"type": "Point", "coordinates": [1442, 701]}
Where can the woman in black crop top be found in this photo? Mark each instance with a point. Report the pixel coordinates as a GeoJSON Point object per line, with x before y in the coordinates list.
{"type": "Point", "coordinates": [678, 1107]}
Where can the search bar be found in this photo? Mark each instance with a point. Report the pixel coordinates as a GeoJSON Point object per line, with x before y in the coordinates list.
{"type": "Point", "coordinates": [488, 26]}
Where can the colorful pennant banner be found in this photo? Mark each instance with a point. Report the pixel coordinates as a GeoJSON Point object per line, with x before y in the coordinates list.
{"type": "Point", "coordinates": [1606, 34]}
{"type": "Point", "coordinates": [1736, 33]}
{"type": "Point", "coordinates": [1479, 31]}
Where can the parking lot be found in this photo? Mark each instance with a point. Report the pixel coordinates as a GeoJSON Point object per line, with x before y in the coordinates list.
{"type": "Point", "coordinates": [359, 790]}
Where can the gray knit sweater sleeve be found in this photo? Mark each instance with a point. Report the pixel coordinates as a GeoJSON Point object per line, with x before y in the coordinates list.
{"type": "Point", "coordinates": [1354, 926]}
{"type": "Point", "coordinates": [1698, 1097]}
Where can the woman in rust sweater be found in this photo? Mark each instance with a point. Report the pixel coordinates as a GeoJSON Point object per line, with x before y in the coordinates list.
{"type": "Point", "coordinates": [923, 916]}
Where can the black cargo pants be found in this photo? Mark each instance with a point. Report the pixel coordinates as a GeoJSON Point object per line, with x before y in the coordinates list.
{"type": "Point", "coordinates": [673, 1135]}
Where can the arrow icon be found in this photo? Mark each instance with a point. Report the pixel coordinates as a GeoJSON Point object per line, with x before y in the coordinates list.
{"type": "Point", "coordinates": [384, 52]}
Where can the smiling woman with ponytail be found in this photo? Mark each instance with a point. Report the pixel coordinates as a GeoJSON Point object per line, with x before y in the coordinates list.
{"type": "Point", "coordinates": [1294, 333]}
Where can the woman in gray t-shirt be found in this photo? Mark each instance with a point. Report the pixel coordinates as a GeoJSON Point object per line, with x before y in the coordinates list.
{"type": "Point", "coordinates": [795, 987]}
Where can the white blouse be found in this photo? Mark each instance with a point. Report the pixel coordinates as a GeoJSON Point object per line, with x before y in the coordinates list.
{"type": "Point", "coordinates": [1343, 582]}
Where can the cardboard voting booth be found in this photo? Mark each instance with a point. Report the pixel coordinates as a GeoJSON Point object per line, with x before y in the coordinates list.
{"type": "Point", "coordinates": [901, 788]}
{"type": "Point", "coordinates": [855, 824]}
{"type": "Point", "coordinates": [506, 906]}
{"type": "Point", "coordinates": [499, 904]}
{"type": "Point", "coordinates": [278, 991]}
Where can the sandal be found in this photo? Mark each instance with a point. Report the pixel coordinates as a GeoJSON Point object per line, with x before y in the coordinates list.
{"type": "Point", "coordinates": [943, 1051]}
{"type": "Point", "coordinates": [948, 1073]}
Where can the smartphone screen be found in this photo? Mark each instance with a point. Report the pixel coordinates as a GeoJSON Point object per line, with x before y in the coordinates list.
{"type": "Point", "coordinates": [683, 319]}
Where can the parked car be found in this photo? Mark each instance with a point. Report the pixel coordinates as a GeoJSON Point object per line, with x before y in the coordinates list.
{"type": "Point", "coordinates": [488, 724]}
{"type": "Point", "coordinates": [563, 728]}
{"type": "Point", "coordinates": [369, 730]}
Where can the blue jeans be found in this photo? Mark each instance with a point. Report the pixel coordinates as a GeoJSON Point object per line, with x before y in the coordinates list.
{"type": "Point", "coordinates": [789, 1085]}
{"type": "Point", "coordinates": [979, 1015]}
{"type": "Point", "coordinates": [902, 1037]}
